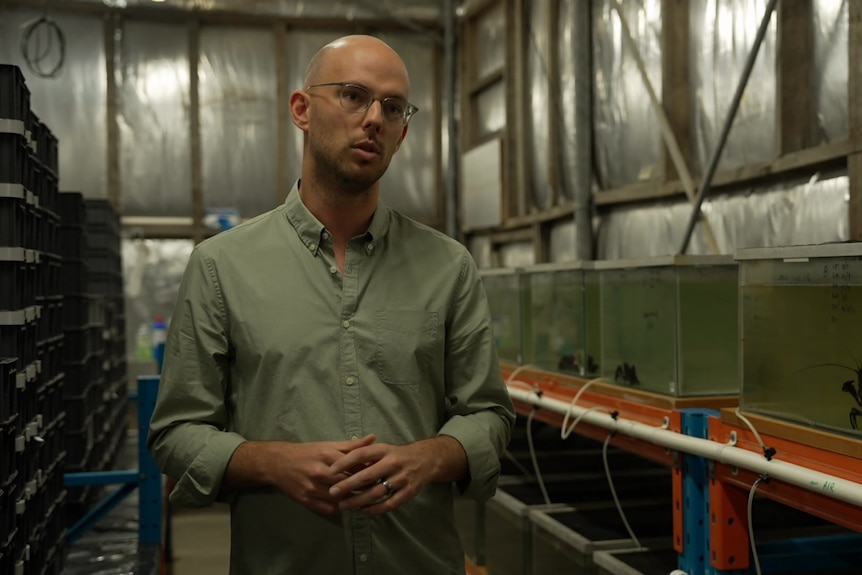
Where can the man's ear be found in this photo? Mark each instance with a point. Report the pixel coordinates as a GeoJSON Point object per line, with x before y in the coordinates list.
{"type": "Point", "coordinates": [299, 107]}
{"type": "Point", "coordinates": [401, 139]}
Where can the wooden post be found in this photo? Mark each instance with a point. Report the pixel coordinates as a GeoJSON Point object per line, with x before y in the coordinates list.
{"type": "Point", "coordinates": [113, 129]}
{"type": "Point", "coordinates": [195, 133]}
{"type": "Point", "coordinates": [675, 82]}
{"type": "Point", "coordinates": [794, 121]}
{"type": "Point", "coordinates": [283, 125]}
{"type": "Point", "coordinates": [854, 107]}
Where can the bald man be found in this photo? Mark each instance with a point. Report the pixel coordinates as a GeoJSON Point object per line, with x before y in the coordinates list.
{"type": "Point", "coordinates": [330, 368]}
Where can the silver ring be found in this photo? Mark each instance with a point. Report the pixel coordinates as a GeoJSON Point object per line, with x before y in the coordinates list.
{"type": "Point", "coordinates": [388, 486]}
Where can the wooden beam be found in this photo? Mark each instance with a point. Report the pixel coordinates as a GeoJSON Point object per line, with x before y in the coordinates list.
{"type": "Point", "coordinates": [831, 155]}
{"type": "Point", "coordinates": [163, 12]}
{"type": "Point", "coordinates": [795, 116]}
{"type": "Point", "coordinates": [854, 107]}
{"type": "Point", "coordinates": [437, 134]}
{"type": "Point", "coordinates": [516, 155]}
{"type": "Point", "coordinates": [676, 99]}
{"type": "Point", "coordinates": [195, 131]}
{"type": "Point", "coordinates": [554, 108]}
{"type": "Point", "coordinates": [110, 24]}
{"type": "Point", "coordinates": [283, 120]}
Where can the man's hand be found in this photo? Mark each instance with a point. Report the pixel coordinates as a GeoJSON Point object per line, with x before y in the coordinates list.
{"type": "Point", "coordinates": [299, 470]}
{"type": "Point", "coordinates": [396, 474]}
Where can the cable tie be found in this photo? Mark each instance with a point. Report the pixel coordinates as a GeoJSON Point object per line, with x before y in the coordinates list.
{"type": "Point", "coordinates": [769, 453]}
{"type": "Point", "coordinates": [765, 478]}
{"type": "Point", "coordinates": [614, 414]}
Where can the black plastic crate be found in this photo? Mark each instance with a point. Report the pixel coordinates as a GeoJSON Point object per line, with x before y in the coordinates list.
{"type": "Point", "coordinates": [73, 242]}
{"type": "Point", "coordinates": [53, 270]}
{"type": "Point", "coordinates": [78, 444]}
{"type": "Point", "coordinates": [8, 453]}
{"type": "Point", "coordinates": [74, 277]}
{"type": "Point", "coordinates": [79, 375]}
{"type": "Point", "coordinates": [79, 408]}
{"type": "Point", "coordinates": [12, 278]}
{"type": "Point", "coordinates": [104, 262]}
{"type": "Point", "coordinates": [14, 98]}
{"type": "Point", "coordinates": [8, 390]}
{"type": "Point", "coordinates": [13, 334]}
{"type": "Point", "coordinates": [71, 206]}
{"type": "Point", "coordinates": [102, 238]}
{"type": "Point", "coordinates": [101, 213]}
{"type": "Point", "coordinates": [51, 243]}
{"type": "Point", "coordinates": [13, 219]}
{"type": "Point", "coordinates": [107, 284]}
{"type": "Point", "coordinates": [78, 345]}
{"type": "Point", "coordinates": [7, 513]}
{"type": "Point", "coordinates": [14, 159]}
{"type": "Point", "coordinates": [76, 311]}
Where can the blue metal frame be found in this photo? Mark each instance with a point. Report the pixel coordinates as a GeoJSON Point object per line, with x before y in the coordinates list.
{"type": "Point", "coordinates": [147, 478]}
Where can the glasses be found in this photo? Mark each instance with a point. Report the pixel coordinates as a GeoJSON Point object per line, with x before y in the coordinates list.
{"type": "Point", "coordinates": [355, 98]}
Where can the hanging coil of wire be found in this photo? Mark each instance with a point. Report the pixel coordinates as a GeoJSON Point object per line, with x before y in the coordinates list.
{"type": "Point", "coordinates": [43, 47]}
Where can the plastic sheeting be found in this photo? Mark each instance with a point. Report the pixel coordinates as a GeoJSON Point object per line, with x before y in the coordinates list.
{"type": "Point", "coordinates": [539, 101]}
{"type": "Point", "coordinates": [73, 104]}
{"type": "Point", "coordinates": [490, 110]}
{"type": "Point", "coordinates": [722, 35]}
{"type": "Point", "coordinates": [238, 93]}
{"type": "Point", "coordinates": [561, 244]}
{"type": "Point", "coordinates": [155, 147]}
{"type": "Point", "coordinates": [491, 41]}
{"type": "Point", "coordinates": [410, 185]}
{"type": "Point", "coordinates": [480, 248]}
{"type": "Point", "coordinates": [152, 271]}
{"type": "Point", "coordinates": [518, 254]}
{"type": "Point", "coordinates": [567, 98]}
{"type": "Point", "coordinates": [627, 136]}
{"type": "Point", "coordinates": [801, 213]}
{"type": "Point", "coordinates": [831, 32]}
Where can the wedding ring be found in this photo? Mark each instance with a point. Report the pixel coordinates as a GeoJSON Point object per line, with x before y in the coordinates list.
{"type": "Point", "coordinates": [388, 486]}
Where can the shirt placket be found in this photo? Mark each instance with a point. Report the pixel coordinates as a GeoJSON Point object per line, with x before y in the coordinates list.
{"type": "Point", "coordinates": [351, 396]}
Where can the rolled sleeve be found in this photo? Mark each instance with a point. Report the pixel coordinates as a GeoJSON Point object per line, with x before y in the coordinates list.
{"type": "Point", "coordinates": [481, 414]}
{"type": "Point", "coordinates": [188, 430]}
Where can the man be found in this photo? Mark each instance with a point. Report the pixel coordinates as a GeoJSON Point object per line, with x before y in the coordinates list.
{"type": "Point", "coordinates": [330, 369]}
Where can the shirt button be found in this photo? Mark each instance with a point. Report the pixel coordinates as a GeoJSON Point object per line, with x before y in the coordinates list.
{"type": "Point", "coordinates": [312, 246]}
{"type": "Point", "coordinates": [333, 269]}
{"type": "Point", "coordinates": [363, 557]}
{"type": "Point", "coordinates": [324, 235]}
{"type": "Point", "coordinates": [369, 247]}
{"type": "Point", "coordinates": [353, 437]}
{"type": "Point", "coordinates": [351, 380]}
{"type": "Point", "coordinates": [346, 323]}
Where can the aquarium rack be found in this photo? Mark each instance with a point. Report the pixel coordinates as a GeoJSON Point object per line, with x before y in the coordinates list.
{"type": "Point", "coordinates": [709, 496]}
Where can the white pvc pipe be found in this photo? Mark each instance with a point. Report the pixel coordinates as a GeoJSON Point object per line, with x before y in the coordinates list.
{"type": "Point", "coordinates": [815, 481]}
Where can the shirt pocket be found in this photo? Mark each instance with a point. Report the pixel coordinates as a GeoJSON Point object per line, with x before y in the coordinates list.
{"type": "Point", "coordinates": [405, 345]}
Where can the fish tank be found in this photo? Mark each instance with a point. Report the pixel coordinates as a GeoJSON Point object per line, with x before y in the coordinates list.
{"type": "Point", "coordinates": [506, 300]}
{"type": "Point", "coordinates": [801, 326]}
{"type": "Point", "coordinates": [561, 320]}
{"type": "Point", "coordinates": [669, 324]}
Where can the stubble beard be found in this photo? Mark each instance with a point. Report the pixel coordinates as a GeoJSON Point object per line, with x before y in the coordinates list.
{"type": "Point", "coordinates": [334, 170]}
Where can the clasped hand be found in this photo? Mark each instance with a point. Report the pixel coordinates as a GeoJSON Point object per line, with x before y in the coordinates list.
{"type": "Point", "coordinates": [333, 476]}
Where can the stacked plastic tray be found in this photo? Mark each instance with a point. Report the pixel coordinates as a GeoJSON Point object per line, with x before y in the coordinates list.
{"type": "Point", "coordinates": [96, 398]}
{"type": "Point", "coordinates": [32, 422]}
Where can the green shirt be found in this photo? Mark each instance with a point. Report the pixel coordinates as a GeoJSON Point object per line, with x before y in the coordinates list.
{"type": "Point", "coordinates": [269, 341]}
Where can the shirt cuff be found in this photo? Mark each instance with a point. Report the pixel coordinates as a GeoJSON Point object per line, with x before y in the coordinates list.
{"type": "Point", "coordinates": [482, 458]}
{"type": "Point", "coordinates": [199, 486]}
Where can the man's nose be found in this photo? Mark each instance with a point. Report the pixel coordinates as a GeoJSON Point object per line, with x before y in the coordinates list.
{"type": "Point", "coordinates": [374, 113]}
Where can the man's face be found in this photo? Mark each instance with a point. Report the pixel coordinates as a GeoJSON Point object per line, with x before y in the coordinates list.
{"type": "Point", "coordinates": [353, 150]}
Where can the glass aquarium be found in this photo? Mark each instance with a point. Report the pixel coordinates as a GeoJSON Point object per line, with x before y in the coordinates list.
{"type": "Point", "coordinates": [560, 329]}
{"type": "Point", "coordinates": [506, 300]}
{"type": "Point", "coordinates": [670, 324]}
{"type": "Point", "coordinates": [801, 325]}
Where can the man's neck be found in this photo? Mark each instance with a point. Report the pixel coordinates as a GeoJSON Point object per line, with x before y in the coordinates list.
{"type": "Point", "coordinates": [344, 214]}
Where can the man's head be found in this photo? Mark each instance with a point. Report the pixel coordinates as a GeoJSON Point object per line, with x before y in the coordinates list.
{"type": "Point", "coordinates": [348, 146]}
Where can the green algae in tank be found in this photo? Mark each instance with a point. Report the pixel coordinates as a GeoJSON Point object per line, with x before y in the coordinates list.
{"type": "Point", "coordinates": [503, 288]}
{"type": "Point", "coordinates": [556, 333]}
{"type": "Point", "coordinates": [669, 324]}
{"type": "Point", "coordinates": [801, 340]}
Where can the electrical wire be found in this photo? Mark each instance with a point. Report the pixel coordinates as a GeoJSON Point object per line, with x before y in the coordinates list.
{"type": "Point", "coordinates": [533, 457]}
{"type": "Point", "coordinates": [765, 479]}
{"type": "Point", "coordinates": [33, 52]}
{"type": "Point", "coordinates": [514, 460]}
{"type": "Point", "coordinates": [614, 491]}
